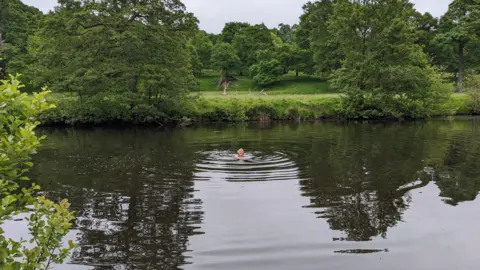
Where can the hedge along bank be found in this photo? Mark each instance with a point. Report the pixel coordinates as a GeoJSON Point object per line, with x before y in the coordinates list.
{"type": "Point", "coordinates": [103, 109]}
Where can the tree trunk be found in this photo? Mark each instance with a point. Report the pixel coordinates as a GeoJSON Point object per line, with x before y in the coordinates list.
{"type": "Point", "coordinates": [461, 67]}
{"type": "Point", "coordinates": [224, 81]}
{"type": "Point", "coordinates": [296, 72]}
{"type": "Point", "coordinates": [225, 87]}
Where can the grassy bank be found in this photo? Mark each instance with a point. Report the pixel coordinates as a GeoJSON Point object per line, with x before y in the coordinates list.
{"type": "Point", "coordinates": [264, 108]}
{"type": "Point", "coordinates": [292, 98]}
{"type": "Point", "coordinates": [289, 84]}
{"type": "Point", "coordinates": [212, 107]}
{"type": "Point", "coordinates": [248, 107]}
{"type": "Point", "coordinates": [69, 110]}
{"type": "Point", "coordinates": [461, 104]}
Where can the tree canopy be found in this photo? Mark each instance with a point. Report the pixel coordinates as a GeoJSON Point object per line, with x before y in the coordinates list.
{"type": "Point", "coordinates": [114, 46]}
{"type": "Point", "coordinates": [224, 58]}
{"type": "Point", "coordinates": [313, 34]}
{"type": "Point", "coordinates": [17, 23]}
{"type": "Point", "coordinates": [458, 38]}
{"type": "Point", "coordinates": [383, 69]}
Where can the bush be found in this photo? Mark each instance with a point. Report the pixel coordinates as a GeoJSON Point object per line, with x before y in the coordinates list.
{"type": "Point", "coordinates": [48, 222]}
{"type": "Point", "coordinates": [378, 105]}
{"type": "Point", "coordinates": [104, 108]}
{"type": "Point", "coordinates": [118, 109]}
{"type": "Point", "coordinates": [266, 72]}
{"type": "Point", "coordinates": [472, 85]}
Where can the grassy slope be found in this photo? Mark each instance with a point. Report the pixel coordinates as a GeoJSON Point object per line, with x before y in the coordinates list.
{"type": "Point", "coordinates": [289, 84]}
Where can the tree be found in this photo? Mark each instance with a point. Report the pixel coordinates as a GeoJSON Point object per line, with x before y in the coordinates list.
{"type": "Point", "coordinates": [313, 34]}
{"type": "Point", "coordinates": [277, 60]}
{"type": "Point", "coordinates": [266, 72]}
{"type": "Point", "coordinates": [384, 72]}
{"type": "Point", "coordinates": [268, 68]}
{"type": "Point", "coordinates": [225, 59]}
{"type": "Point", "coordinates": [249, 41]}
{"type": "Point", "coordinates": [48, 222]}
{"type": "Point", "coordinates": [92, 47]}
{"type": "Point", "coordinates": [459, 28]}
{"type": "Point", "coordinates": [302, 61]}
{"type": "Point", "coordinates": [285, 56]}
{"type": "Point", "coordinates": [203, 46]}
{"type": "Point", "coordinates": [232, 29]}
{"type": "Point", "coordinates": [215, 38]}
{"type": "Point", "coordinates": [426, 26]}
{"type": "Point", "coordinates": [195, 60]}
{"type": "Point", "coordinates": [286, 32]}
{"type": "Point", "coordinates": [17, 22]}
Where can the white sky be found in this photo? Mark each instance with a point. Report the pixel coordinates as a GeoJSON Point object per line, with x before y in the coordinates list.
{"type": "Point", "coordinates": [213, 14]}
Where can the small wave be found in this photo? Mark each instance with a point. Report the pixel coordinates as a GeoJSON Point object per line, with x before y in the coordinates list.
{"type": "Point", "coordinates": [256, 166]}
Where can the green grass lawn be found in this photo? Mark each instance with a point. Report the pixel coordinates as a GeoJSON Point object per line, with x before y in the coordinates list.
{"type": "Point", "coordinates": [288, 85]}
{"type": "Point", "coordinates": [255, 95]}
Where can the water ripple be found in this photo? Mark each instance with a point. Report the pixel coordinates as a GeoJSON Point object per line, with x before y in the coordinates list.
{"type": "Point", "coordinates": [256, 166]}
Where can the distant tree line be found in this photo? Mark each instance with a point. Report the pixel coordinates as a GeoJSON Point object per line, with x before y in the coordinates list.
{"type": "Point", "coordinates": [386, 57]}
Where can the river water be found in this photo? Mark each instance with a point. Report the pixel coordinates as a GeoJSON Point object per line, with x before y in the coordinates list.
{"type": "Point", "coordinates": [308, 196]}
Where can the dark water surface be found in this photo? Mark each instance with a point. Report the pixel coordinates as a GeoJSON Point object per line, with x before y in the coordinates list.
{"type": "Point", "coordinates": [308, 196]}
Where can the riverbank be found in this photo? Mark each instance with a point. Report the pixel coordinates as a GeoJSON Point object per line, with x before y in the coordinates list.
{"type": "Point", "coordinates": [209, 107]}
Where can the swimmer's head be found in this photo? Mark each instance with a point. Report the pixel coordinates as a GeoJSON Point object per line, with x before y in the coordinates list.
{"type": "Point", "coordinates": [241, 152]}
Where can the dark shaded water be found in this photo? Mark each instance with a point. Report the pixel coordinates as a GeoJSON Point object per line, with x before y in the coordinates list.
{"type": "Point", "coordinates": [309, 196]}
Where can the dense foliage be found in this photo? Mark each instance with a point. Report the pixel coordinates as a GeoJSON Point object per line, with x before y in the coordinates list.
{"type": "Point", "coordinates": [17, 23]}
{"type": "Point", "coordinates": [473, 90]}
{"type": "Point", "coordinates": [383, 72]}
{"type": "Point", "coordinates": [116, 47]}
{"type": "Point", "coordinates": [140, 52]}
{"type": "Point", "coordinates": [458, 39]}
{"type": "Point", "coordinates": [143, 57]}
{"type": "Point", "coordinates": [48, 222]}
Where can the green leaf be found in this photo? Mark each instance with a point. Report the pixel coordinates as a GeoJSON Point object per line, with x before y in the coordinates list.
{"type": "Point", "coordinates": [29, 164]}
{"type": "Point", "coordinates": [71, 244]}
{"type": "Point", "coordinates": [8, 200]}
{"type": "Point", "coordinates": [3, 254]}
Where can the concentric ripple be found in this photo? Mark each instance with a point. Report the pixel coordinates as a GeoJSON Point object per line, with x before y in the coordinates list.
{"type": "Point", "coordinates": [256, 166]}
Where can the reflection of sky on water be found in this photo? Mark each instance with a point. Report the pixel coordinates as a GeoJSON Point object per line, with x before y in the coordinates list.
{"type": "Point", "coordinates": [254, 222]}
{"type": "Point", "coordinates": [351, 193]}
{"type": "Point", "coordinates": [260, 225]}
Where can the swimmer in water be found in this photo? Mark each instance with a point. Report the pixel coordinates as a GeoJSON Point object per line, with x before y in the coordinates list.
{"type": "Point", "coordinates": [240, 154]}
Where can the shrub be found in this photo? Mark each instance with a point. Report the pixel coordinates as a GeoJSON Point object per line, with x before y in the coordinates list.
{"type": "Point", "coordinates": [48, 222]}
{"type": "Point", "coordinates": [114, 108]}
{"type": "Point", "coordinates": [472, 85]}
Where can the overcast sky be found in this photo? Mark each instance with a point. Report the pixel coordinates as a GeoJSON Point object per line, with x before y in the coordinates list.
{"type": "Point", "coordinates": [214, 13]}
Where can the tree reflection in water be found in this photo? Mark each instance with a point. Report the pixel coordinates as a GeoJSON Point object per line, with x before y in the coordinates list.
{"type": "Point", "coordinates": [134, 189]}
{"type": "Point", "coordinates": [133, 195]}
{"type": "Point", "coordinates": [457, 172]}
{"type": "Point", "coordinates": [362, 179]}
